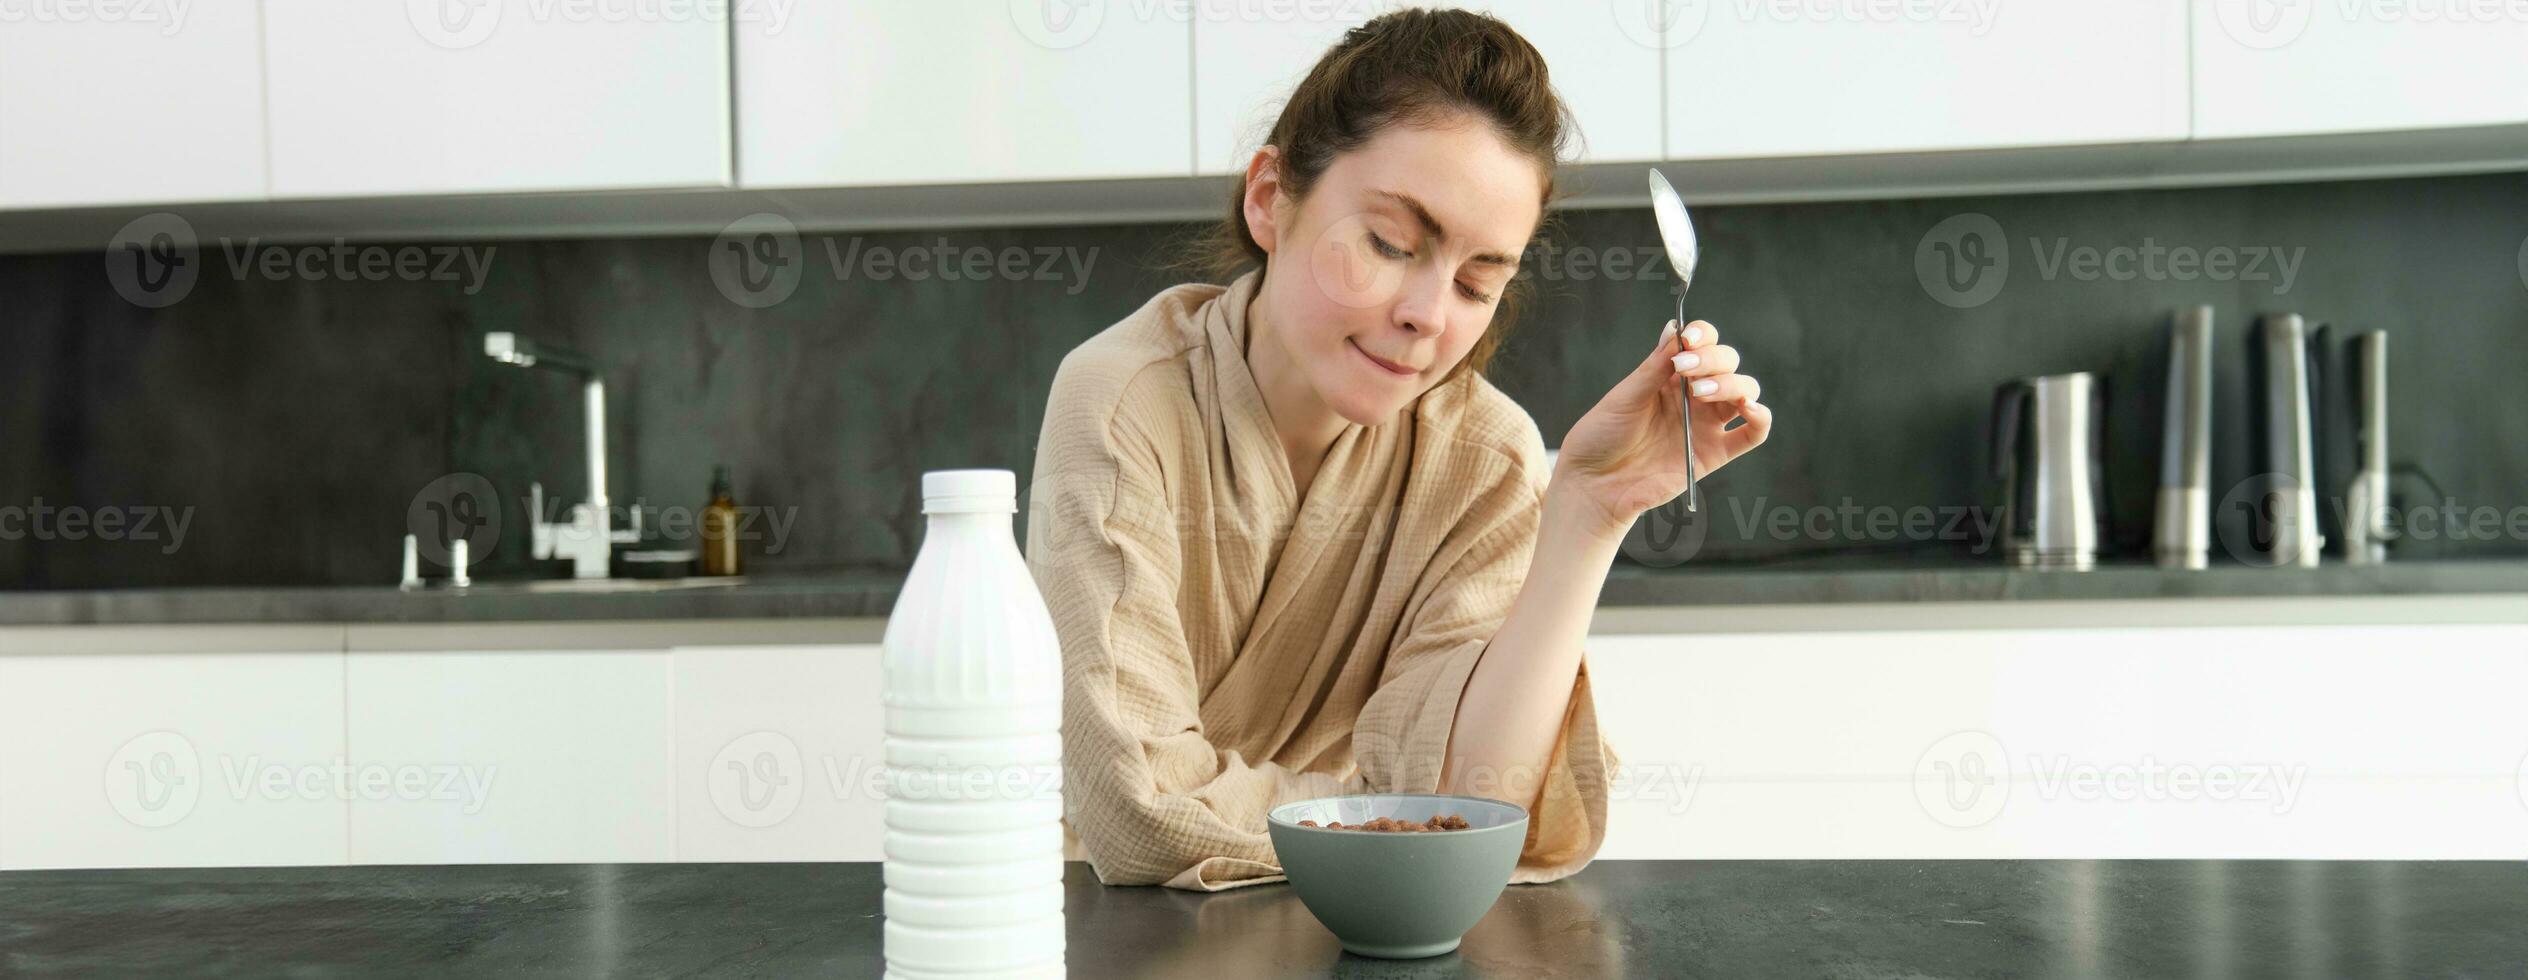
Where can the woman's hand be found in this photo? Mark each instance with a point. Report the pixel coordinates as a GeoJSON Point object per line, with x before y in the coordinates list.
{"type": "Point", "coordinates": [1627, 454]}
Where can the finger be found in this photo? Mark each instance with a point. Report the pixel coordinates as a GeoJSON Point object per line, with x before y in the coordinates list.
{"type": "Point", "coordinates": [1700, 334]}
{"type": "Point", "coordinates": [1657, 367]}
{"type": "Point", "coordinates": [1745, 437]}
{"type": "Point", "coordinates": [1709, 362]}
{"type": "Point", "coordinates": [1726, 388]}
{"type": "Point", "coordinates": [1640, 386]}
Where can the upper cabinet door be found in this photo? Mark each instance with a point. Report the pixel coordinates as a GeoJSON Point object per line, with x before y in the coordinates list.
{"type": "Point", "coordinates": [2278, 67]}
{"type": "Point", "coordinates": [105, 104]}
{"type": "Point", "coordinates": [474, 96]}
{"type": "Point", "coordinates": [1248, 56]}
{"type": "Point", "coordinates": [866, 93]}
{"type": "Point", "coordinates": [1769, 79]}
{"type": "Point", "coordinates": [1606, 72]}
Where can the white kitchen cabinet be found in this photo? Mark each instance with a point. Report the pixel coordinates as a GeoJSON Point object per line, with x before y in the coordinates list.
{"type": "Point", "coordinates": [171, 747]}
{"type": "Point", "coordinates": [1248, 56]}
{"type": "Point", "coordinates": [2263, 68]}
{"type": "Point", "coordinates": [1791, 80]}
{"type": "Point", "coordinates": [850, 94]}
{"type": "Point", "coordinates": [497, 96]}
{"type": "Point", "coordinates": [2168, 729]}
{"type": "Point", "coordinates": [780, 753]}
{"type": "Point", "coordinates": [511, 755]}
{"type": "Point", "coordinates": [130, 104]}
{"type": "Point", "coordinates": [2172, 742]}
{"type": "Point", "coordinates": [1607, 75]}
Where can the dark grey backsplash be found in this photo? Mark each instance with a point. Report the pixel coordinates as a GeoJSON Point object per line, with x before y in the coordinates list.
{"type": "Point", "coordinates": [290, 422]}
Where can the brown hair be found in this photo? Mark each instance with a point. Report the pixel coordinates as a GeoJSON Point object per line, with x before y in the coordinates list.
{"type": "Point", "coordinates": [1407, 66]}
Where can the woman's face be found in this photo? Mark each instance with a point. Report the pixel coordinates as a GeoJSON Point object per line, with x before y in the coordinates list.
{"type": "Point", "coordinates": [1386, 274]}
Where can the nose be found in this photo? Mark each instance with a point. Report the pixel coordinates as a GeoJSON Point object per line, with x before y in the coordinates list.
{"type": "Point", "coordinates": [1422, 304]}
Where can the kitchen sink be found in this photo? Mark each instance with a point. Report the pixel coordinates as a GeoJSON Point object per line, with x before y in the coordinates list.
{"type": "Point", "coordinates": [605, 586]}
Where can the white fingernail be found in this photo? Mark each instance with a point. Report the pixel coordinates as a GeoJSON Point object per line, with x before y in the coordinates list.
{"type": "Point", "coordinates": [1668, 331]}
{"type": "Point", "coordinates": [1686, 362]}
{"type": "Point", "coordinates": [1693, 335]}
{"type": "Point", "coordinates": [1706, 386]}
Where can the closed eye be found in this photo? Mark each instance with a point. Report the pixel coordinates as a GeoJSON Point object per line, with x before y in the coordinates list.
{"type": "Point", "coordinates": [1389, 250]}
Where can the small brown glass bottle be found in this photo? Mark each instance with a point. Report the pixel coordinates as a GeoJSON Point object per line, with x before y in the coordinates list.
{"type": "Point", "coordinates": [719, 527]}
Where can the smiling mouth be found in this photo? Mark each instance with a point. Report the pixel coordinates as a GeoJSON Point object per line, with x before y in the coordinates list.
{"type": "Point", "coordinates": [1387, 366]}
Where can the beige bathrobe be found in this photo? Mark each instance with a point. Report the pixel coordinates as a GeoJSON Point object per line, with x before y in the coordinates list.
{"type": "Point", "coordinates": [1228, 646]}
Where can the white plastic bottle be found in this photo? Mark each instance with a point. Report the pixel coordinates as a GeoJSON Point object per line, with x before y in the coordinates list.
{"type": "Point", "coordinates": [973, 748]}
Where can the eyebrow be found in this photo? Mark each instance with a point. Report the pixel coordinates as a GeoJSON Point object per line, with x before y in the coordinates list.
{"type": "Point", "coordinates": [1430, 224]}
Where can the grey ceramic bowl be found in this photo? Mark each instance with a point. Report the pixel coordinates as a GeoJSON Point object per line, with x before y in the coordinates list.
{"type": "Point", "coordinates": [1398, 895]}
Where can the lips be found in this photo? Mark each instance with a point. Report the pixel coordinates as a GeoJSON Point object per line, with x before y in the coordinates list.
{"type": "Point", "coordinates": [1383, 364]}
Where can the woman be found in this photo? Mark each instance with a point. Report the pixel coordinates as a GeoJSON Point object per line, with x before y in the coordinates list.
{"type": "Point", "coordinates": [1294, 543]}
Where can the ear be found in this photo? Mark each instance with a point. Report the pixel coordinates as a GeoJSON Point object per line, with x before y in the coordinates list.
{"type": "Point", "coordinates": [1263, 198]}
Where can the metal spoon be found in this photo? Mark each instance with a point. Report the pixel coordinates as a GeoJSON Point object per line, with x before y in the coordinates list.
{"type": "Point", "coordinates": [1676, 231]}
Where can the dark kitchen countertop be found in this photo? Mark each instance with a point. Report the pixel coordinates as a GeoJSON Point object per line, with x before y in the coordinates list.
{"type": "Point", "coordinates": [871, 592]}
{"type": "Point", "coordinates": [1669, 919]}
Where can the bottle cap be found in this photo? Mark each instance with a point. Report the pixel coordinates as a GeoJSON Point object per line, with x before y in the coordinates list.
{"type": "Point", "coordinates": [969, 492]}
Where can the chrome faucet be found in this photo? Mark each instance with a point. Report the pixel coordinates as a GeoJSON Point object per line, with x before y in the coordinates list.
{"type": "Point", "coordinates": [589, 537]}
